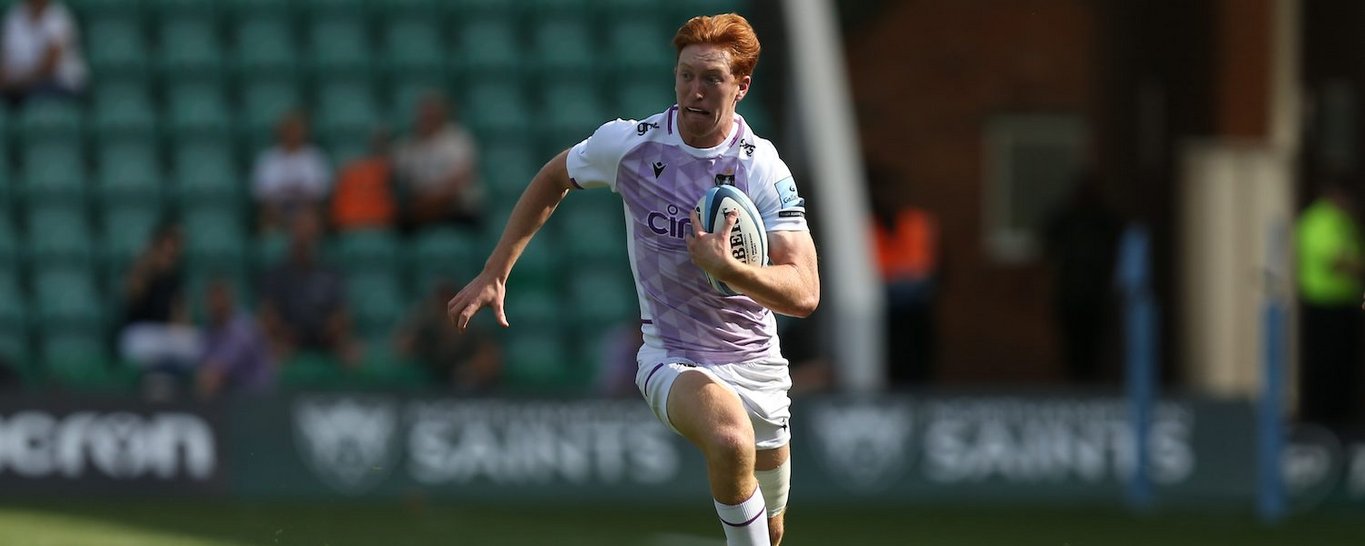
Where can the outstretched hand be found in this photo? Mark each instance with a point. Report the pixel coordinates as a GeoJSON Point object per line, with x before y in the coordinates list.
{"type": "Point", "coordinates": [484, 291]}
{"type": "Point", "coordinates": [711, 251]}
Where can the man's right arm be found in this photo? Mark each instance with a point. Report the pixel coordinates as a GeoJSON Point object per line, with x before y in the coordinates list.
{"type": "Point", "coordinates": [532, 210]}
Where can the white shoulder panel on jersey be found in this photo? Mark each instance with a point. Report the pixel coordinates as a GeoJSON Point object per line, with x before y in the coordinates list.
{"type": "Point", "coordinates": [593, 163]}
{"type": "Point", "coordinates": [774, 190]}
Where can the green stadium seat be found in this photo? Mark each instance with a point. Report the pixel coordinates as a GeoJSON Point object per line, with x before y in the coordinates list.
{"type": "Point", "coordinates": [264, 103]}
{"type": "Point", "coordinates": [77, 360]}
{"type": "Point", "coordinates": [444, 253]}
{"type": "Point", "coordinates": [117, 49]}
{"type": "Point", "coordinates": [54, 172]}
{"type": "Point", "coordinates": [51, 119]}
{"type": "Point", "coordinates": [346, 110]}
{"type": "Point", "coordinates": [598, 222]}
{"type": "Point", "coordinates": [546, 9]}
{"type": "Point", "coordinates": [197, 110]}
{"type": "Point", "coordinates": [570, 112]}
{"type": "Point", "coordinates": [406, 91]}
{"type": "Point", "coordinates": [316, 8]}
{"type": "Point", "coordinates": [340, 46]}
{"type": "Point", "coordinates": [369, 250]}
{"type": "Point", "coordinates": [215, 240]}
{"type": "Point", "coordinates": [270, 250]}
{"type": "Point", "coordinates": [206, 175]}
{"type": "Point", "coordinates": [265, 48]}
{"type": "Point", "coordinates": [377, 303]}
{"type": "Point", "coordinates": [123, 110]}
{"type": "Point", "coordinates": [535, 360]}
{"type": "Point", "coordinates": [130, 172]}
{"type": "Point", "coordinates": [126, 231]}
{"type": "Point", "coordinates": [474, 10]}
{"type": "Point", "coordinates": [425, 9]}
{"type": "Point", "coordinates": [255, 8]}
{"type": "Point", "coordinates": [508, 167]}
{"type": "Point", "coordinates": [103, 8]}
{"type": "Point", "coordinates": [601, 298]}
{"type": "Point", "coordinates": [642, 99]}
{"type": "Point", "coordinates": [540, 266]}
{"type": "Point", "coordinates": [190, 49]}
{"type": "Point", "coordinates": [9, 246]}
{"type": "Point", "coordinates": [489, 47]}
{"type": "Point", "coordinates": [59, 235]}
{"type": "Point", "coordinates": [641, 50]}
{"type": "Point", "coordinates": [564, 47]}
{"type": "Point", "coordinates": [413, 45]}
{"type": "Point", "coordinates": [497, 108]}
{"type": "Point", "coordinates": [65, 300]}
{"type": "Point", "coordinates": [179, 8]}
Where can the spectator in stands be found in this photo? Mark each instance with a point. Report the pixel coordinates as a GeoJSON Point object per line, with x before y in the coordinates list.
{"type": "Point", "coordinates": [41, 52]}
{"type": "Point", "coordinates": [364, 196]}
{"type": "Point", "coordinates": [303, 302]}
{"type": "Point", "coordinates": [905, 239]}
{"type": "Point", "coordinates": [157, 334]}
{"type": "Point", "coordinates": [1081, 242]}
{"type": "Point", "coordinates": [468, 363]}
{"type": "Point", "coordinates": [438, 169]}
{"type": "Point", "coordinates": [290, 177]}
{"type": "Point", "coordinates": [236, 355]}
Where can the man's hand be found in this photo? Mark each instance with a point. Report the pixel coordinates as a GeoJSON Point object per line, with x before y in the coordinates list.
{"type": "Point", "coordinates": [711, 251]}
{"type": "Point", "coordinates": [485, 290]}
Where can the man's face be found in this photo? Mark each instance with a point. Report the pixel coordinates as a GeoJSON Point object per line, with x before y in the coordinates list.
{"type": "Point", "coordinates": [707, 93]}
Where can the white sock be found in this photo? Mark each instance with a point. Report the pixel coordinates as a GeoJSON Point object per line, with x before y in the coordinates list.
{"type": "Point", "coordinates": [746, 523]}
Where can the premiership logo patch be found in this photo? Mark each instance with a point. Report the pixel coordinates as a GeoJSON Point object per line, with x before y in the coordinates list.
{"type": "Point", "coordinates": [348, 441]}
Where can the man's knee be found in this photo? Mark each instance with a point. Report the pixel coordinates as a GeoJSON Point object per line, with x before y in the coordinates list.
{"type": "Point", "coordinates": [729, 442]}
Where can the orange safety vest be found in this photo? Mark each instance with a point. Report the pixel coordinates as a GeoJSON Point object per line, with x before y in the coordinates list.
{"type": "Point", "coordinates": [909, 249]}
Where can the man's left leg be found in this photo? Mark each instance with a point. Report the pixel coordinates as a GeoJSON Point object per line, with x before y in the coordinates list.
{"type": "Point", "coordinates": [772, 468]}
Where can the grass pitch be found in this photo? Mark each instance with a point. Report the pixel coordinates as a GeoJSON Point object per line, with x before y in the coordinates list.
{"type": "Point", "coordinates": [197, 523]}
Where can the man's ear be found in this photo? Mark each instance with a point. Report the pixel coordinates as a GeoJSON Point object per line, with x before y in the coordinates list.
{"type": "Point", "coordinates": [743, 87]}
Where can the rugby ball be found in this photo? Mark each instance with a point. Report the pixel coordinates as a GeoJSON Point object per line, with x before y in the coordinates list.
{"type": "Point", "coordinates": [749, 237]}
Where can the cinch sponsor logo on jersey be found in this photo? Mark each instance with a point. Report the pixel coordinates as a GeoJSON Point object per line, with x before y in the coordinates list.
{"type": "Point", "coordinates": [673, 223]}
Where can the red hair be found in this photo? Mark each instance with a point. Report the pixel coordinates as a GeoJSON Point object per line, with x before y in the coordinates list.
{"type": "Point", "coordinates": [728, 30]}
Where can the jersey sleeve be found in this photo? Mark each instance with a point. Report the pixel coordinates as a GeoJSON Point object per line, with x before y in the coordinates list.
{"type": "Point", "coordinates": [775, 195]}
{"type": "Point", "coordinates": [593, 163]}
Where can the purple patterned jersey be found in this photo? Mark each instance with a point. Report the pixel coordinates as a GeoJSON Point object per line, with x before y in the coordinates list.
{"type": "Point", "coordinates": [660, 179]}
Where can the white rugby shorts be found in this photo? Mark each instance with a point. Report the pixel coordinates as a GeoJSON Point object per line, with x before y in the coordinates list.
{"type": "Point", "coordinates": [761, 387]}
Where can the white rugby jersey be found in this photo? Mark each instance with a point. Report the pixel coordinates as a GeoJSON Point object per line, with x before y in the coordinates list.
{"type": "Point", "coordinates": [660, 179]}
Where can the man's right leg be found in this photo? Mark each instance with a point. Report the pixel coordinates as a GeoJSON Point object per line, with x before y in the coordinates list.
{"type": "Point", "coordinates": [713, 419]}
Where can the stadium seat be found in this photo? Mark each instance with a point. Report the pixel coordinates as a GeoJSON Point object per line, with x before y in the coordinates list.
{"type": "Point", "coordinates": [640, 50]}
{"type": "Point", "coordinates": [65, 300]}
{"type": "Point", "coordinates": [571, 112]}
{"type": "Point", "coordinates": [130, 173]}
{"type": "Point", "coordinates": [123, 110]}
{"type": "Point", "coordinates": [117, 49]}
{"type": "Point", "coordinates": [508, 167]}
{"type": "Point", "coordinates": [316, 8]}
{"type": "Point", "coordinates": [423, 9]}
{"type": "Point", "coordinates": [264, 103]}
{"type": "Point", "coordinates": [413, 45]}
{"type": "Point", "coordinates": [535, 360]}
{"type": "Point", "coordinates": [102, 8]}
{"type": "Point", "coordinates": [444, 253]}
{"type": "Point", "coordinates": [601, 297]}
{"type": "Point", "coordinates": [59, 235]}
{"type": "Point", "coordinates": [642, 99]}
{"type": "Point", "coordinates": [206, 174]}
{"type": "Point", "coordinates": [77, 360]}
{"type": "Point", "coordinates": [369, 250]}
{"type": "Point", "coordinates": [405, 92]}
{"type": "Point", "coordinates": [254, 8]}
{"type": "Point", "coordinates": [178, 8]}
{"type": "Point", "coordinates": [265, 48]}
{"type": "Point", "coordinates": [489, 47]}
{"type": "Point", "coordinates": [346, 110]}
{"type": "Point", "coordinates": [564, 48]}
{"type": "Point", "coordinates": [377, 302]}
{"type": "Point", "coordinates": [270, 249]}
{"type": "Point", "coordinates": [190, 49]}
{"type": "Point", "coordinates": [9, 246]}
{"type": "Point", "coordinates": [50, 119]}
{"type": "Point", "coordinates": [539, 266]}
{"type": "Point", "coordinates": [339, 46]}
{"type": "Point", "coordinates": [598, 222]}
{"type": "Point", "coordinates": [497, 108]}
{"type": "Point", "coordinates": [126, 231]}
{"type": "Point", "coordinates": [54, 172]}
{"type": "Point", "coordinates": [215, 240]}
{"type": "Point", "coordinates": [198, 110]}
{"type": "Point", "coordinates": [14, 343]}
